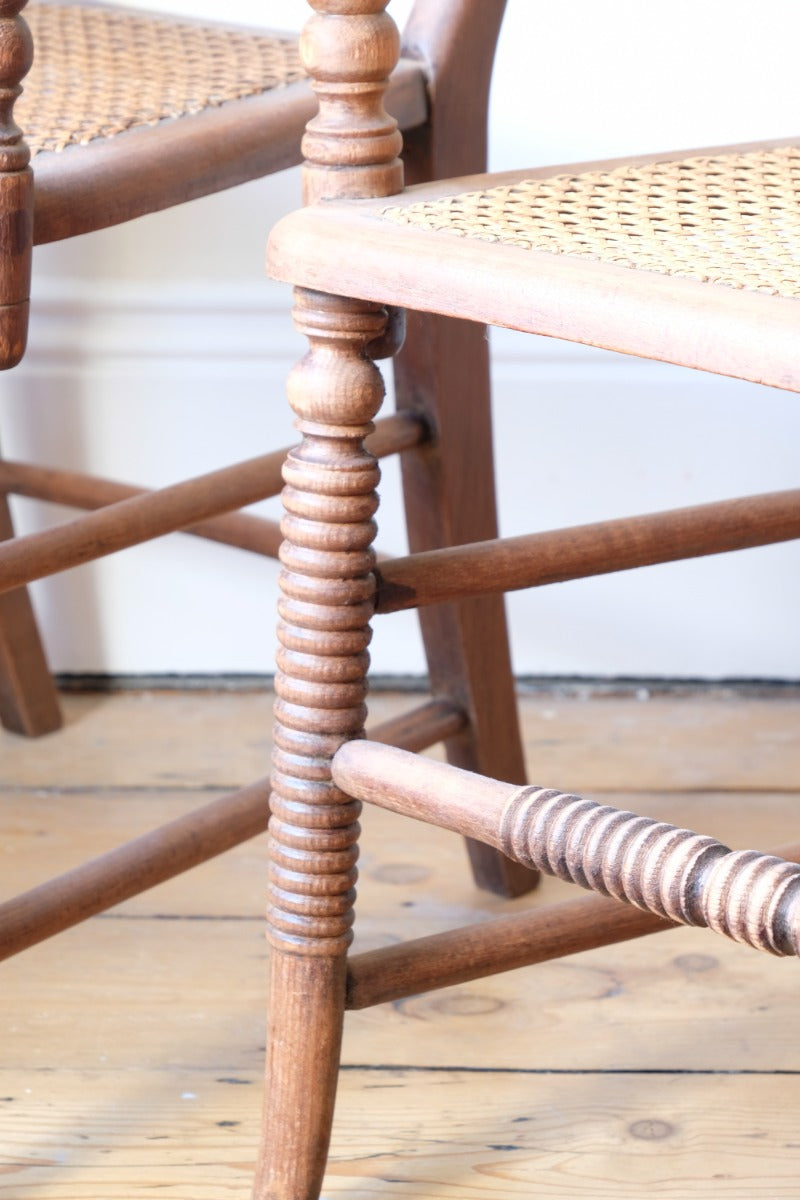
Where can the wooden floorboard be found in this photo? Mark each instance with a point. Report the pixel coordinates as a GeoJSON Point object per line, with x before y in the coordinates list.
{"type": "Point", "coordinates": [132, 1046]}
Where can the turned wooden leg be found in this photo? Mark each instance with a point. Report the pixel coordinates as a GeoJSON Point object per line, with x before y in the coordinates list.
{"type": "Point", "coordinates": [328, 590]}
{"type": "Point", "coordinates": [28, 701]}
{"type": "Point", "coordinates": [443, 372]}
{"type": "Point", "coordinates": [28, 697]}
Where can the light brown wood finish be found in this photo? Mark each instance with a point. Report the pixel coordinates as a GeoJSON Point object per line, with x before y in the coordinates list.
{"type": "Point", "coordinates": [678, 875]}
{"type": "Point", "coordinates": [533, 560]}
{"type": "Point", "coordinates": [135, 867]}
{"type": "Point", "coordinates": [125, 1093]}
{"type": "Point", "coordinates": [127, 516]}
{"type": "Point", "coordinates": [68, 899]}
{"type": "Point", "coordinates": [695, 324]}
{"type": "Point", "coordinates": [712, 741]}
{"type": "Point", "coordinates": [28, 698]}
{"type": "Point", "coordinates": [327, 585]}
{"type": "Point", "coordinates": [443, 371]}
{"type": "Point", "coordinates": [596, 1135]}
{"type": "Point", "coordinates": [136, 519]}
{"type": "Point", "coordinates": [16, 188]}
{"type": "Point", "coordinates": [110, 181]}
{"type": "Point", "coordinates": [504, 944]}
{"type": "Point", "coordinates": [76, 490]}
{"type": "Point", "coordinates": [421, 727]}
{"type": "Point", "coordinates": [672, 872]}
{"type": "Point", "coordinates": [351, 147]}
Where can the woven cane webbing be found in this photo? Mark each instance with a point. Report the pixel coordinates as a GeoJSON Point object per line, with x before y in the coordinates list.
{"type": "Point", "coordinates": [731, 219]}
{"type": "Point", "coordinates": [98, 72]}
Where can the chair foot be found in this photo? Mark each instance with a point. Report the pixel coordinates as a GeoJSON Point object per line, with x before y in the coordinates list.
{"type": "Point", "coordinates": [28, 697]}
{"type": "Point", "coordinates": [306, 1012]}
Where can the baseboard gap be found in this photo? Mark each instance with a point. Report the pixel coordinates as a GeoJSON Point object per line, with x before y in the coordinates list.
{"type": "Point", "coordinates": [566, 687]}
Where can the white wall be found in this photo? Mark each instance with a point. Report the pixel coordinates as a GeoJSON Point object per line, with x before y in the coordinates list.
{"type": "Point", "coordinates": [159, 351]}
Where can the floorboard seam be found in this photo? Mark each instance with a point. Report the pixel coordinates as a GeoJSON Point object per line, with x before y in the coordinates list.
{"type": "Point", "coordinates": [670, 1071]}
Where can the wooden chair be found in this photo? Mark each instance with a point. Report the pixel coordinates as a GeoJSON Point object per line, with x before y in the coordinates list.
{"type": "Point", "coordinates": [690, 258]}
{"type": "Point", "coordinates": [221, 106]}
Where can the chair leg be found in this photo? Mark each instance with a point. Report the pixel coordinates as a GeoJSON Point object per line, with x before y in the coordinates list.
{"type": "Point", "coordinates": [443, 371]}
{"type": "Point", "coordinates": [306, 1011]}
{"type": "Point", "coordinates": [28, 697]}
{"type": "Point", "coordinates": [328, 599]}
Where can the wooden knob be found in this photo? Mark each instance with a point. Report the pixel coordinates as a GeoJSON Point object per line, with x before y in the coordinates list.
{"type": "Point", "coordinates": [349, 48]}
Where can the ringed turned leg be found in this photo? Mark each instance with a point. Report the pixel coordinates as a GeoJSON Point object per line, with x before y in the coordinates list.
{"type": "Point", "coordinates": [328, 589]}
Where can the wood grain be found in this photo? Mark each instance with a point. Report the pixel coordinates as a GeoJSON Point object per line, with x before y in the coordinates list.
{"type": "Point", "coordinates": [351, 249]}
{"type": "Point", "coordinates": [134, 867]}
{"type": "Point", "coordinates": [642, 741]}
{"type": "Point", "coordinates": [16, 187]}
{"type": "Point", "coordinates": [351, 146]}
{"type": "Point", "coordinates": [658, 1004]}
{"type": "Point", "coordinates": [111, 180]}
{"type": "Point", "coordinates": [131, 521]}
{"type": "Point", "coordinates": [327, 586]}
{"type": "Point", "coordinates": [571, 1138]}
{"type": "Point", "coordinates": [537, 559]}
{"type": "Point", "coordinates": [28, 699]}
{"type": "Point", "coordinates": [132, 1084]}
{"type": "Point", "coordinates": [151, 516]}
{"type": "Point", "coordinates": [685, 877]}
{"type": "Point", "coordinates": [170, 849]}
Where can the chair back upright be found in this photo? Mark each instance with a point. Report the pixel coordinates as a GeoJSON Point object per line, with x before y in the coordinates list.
{"type": "Point", "coordinates": [352, 146]}
{"type": "Point", "coordinates": [16, 187]}
{"type": "Point", "coordinates": [349, 48]}
{"type": "Point", "coordinates": [456, 39]}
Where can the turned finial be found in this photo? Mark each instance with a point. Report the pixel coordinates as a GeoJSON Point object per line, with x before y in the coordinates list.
{"type": "Point", "coordinates": [349, 48]}
{"type": "Point", "coordinates": [16, 57]}
{"type": "Point", "coordinates": [16, 187]}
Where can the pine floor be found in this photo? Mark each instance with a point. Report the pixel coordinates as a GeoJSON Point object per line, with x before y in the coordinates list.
{"type": "Point", "coordinates": [130, 1063]}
